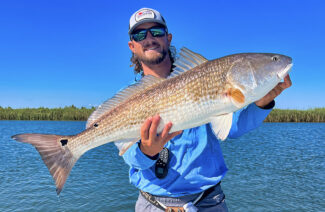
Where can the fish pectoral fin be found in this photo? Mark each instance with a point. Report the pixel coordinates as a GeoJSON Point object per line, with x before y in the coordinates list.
{"type": "Point", "coordinates": [125, 144]}
{"type": "Point", "coordinates": [221, 125]}
{"type": "Point", "coordinates": [236, 96]}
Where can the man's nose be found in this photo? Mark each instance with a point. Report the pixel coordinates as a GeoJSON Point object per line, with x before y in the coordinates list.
{"type": "Point", "coordinates": [149, 36]}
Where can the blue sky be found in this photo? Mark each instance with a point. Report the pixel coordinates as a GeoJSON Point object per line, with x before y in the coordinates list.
{"type": "Point", "coordinates": [64, 52]}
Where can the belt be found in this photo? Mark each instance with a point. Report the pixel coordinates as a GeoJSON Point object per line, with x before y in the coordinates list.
{"type": "Point", "coordinates": [151, 198]}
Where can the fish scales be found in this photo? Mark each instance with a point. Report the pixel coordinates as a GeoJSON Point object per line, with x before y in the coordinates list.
{"type": "Point", "coordinates": [205, 91]}
{"type": "Point", "coordinates": [164, 99]}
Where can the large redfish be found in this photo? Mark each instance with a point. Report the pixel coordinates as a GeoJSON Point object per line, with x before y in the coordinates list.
{"type": "Point", "coordinates": [197, 92]}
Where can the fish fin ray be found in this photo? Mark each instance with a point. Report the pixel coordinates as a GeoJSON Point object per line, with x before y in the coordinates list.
{"type": "Point", "coordinates": [59, 159]}
{"type": "Point", "coordinates": [125, 144]}
{"type": "Point", "coordinates": [187, 61]}
{"type": "Point", "coordinates": [197, 57]}
{"type": "Point", "coordinates": [221, 125]}
{"type": "Point", "coordinates": [145, 83]}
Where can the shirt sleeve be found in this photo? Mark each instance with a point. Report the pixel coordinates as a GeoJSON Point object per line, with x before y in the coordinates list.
{"type": "Point", "coordinates": [248, 118]}
{"type": "Point", "coordinates": [135, 158]}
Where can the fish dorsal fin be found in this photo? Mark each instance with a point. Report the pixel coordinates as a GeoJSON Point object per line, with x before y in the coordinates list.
{"type": "Point", "coordinates": [145, 83]}
{"type": "Point", "coordinates": [221, 125]}
{"type": "Point", "coordinates": [186, 61]}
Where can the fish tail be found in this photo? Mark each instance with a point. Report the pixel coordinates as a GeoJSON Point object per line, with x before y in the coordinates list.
{"type": "Point", "coordinates": [55, 153]}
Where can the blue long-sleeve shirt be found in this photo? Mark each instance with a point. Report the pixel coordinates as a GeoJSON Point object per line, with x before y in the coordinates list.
{"type": "Point", "coordinates": [196, 161]}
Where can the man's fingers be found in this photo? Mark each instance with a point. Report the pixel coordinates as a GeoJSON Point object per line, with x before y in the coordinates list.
{"type": "Point", "coordinates": [153, 127]}
{"type": "Point", "coordinates": [145, 128]}
{"type": "Point", "coordinates": [281, 86]}
{"type": "Point", "coordinates": [276, 91]}
{"type": "Point", "coordinates": [166, 129]}
{"type": "Point", "coordinates": [166, 136]}
{"type": "Point", "coordinates": [287, 81]}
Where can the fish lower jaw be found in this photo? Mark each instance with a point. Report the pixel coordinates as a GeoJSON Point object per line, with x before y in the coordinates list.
{"type": "Point", "coordinates": [284, 72]}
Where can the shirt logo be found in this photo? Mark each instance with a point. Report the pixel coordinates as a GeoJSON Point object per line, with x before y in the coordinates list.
{"type": "Point", "coordinates": [144, 14]}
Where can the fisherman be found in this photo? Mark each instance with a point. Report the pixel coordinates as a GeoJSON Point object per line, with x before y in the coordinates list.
{"type": "Point", "coordinates": [179, 171]}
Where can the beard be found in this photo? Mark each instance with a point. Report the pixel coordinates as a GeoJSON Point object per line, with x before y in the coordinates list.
{"type": "Point", "coordinates": [154, 60]}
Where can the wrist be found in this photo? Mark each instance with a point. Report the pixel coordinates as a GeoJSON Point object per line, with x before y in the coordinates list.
{"type": "Point", "coordinates": [149, 154]}
{"type": "Point", "coordinates": [269, 105]}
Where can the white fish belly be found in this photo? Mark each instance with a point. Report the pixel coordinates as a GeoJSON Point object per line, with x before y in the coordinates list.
{"type": "Point", "coordinates": [183, 116]}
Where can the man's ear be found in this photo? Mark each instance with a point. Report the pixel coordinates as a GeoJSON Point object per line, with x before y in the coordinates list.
{"type": "Point", "coordinates": [131, 46]}
{"type": "Point", "coordinates": [169, 38]}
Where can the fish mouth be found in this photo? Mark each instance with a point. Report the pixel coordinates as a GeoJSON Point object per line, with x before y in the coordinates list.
{"type": "Point", "coordinates": [285, 71]}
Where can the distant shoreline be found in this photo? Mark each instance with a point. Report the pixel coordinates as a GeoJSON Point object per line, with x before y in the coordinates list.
{"type": "Point", "coordinates": [310, 115]}
{"type": "Point", "coordinates": [73, 113]}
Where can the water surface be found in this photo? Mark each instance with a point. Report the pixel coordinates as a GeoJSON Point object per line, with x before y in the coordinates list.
{"type": "Point", "coordinates": [277, 167]}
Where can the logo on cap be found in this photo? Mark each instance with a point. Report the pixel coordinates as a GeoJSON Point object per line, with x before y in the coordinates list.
{"type": "Point", "coordinates": [144, 14]}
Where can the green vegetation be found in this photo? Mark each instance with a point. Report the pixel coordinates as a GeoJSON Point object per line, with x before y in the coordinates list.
{"type": "Point", "coordinates": [67, 113]}
{"type": "Point", "coordinates": [311, 115]}
{"type": "Point", "coordinates": [81, 114]}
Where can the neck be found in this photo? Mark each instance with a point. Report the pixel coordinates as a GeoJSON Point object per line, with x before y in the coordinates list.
{"type": "Point", "coordinates": [161, 70]}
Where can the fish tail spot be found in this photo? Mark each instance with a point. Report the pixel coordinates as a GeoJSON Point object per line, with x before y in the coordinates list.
{"type": "Point", "coordinates": [64, 142]}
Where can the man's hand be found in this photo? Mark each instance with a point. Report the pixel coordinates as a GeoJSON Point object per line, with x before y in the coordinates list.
{"type": "Point", "coordinates": [151, 143]}
{"type": "Point", "coordinates": [274, 92]}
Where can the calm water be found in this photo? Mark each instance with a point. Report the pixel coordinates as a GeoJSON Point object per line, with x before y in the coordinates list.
{"type": "Point", "coordinates": [278, 167]}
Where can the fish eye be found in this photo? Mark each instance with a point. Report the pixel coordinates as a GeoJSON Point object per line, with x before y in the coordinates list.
{"type": "Point", "coordinates": [275, 58]}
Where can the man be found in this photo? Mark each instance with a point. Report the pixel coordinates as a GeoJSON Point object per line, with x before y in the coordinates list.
{"type": "Point", "coordinates": [196, 164]}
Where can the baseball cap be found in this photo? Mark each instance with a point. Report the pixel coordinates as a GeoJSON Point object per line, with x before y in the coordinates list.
{"type": "Point", "coordinates": [145, 15]}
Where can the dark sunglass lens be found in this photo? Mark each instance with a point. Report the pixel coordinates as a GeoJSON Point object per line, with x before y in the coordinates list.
{"type": "Point", "coordinates": [157, 32]}
{"type": "Point", "coordinates": [140, 35]}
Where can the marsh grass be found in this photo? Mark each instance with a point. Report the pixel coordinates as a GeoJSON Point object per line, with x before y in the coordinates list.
{"type": "Point", "coordinates": [70, 113]}
{"type": "Point", "coordinates": [81, 114]}
{"type": "Point", "coordinates": [310, 115]}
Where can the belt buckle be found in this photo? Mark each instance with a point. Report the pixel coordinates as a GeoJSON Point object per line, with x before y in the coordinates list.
{"type": "Point", "coordinates": [174, 209]}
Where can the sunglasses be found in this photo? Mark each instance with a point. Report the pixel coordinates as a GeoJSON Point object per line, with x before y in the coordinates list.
{"type": "Point", "coordinates": [141, 34]}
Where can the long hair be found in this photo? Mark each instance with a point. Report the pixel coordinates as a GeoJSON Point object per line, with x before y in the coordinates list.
{"type": "Point", "coordinates": [137, 64]}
